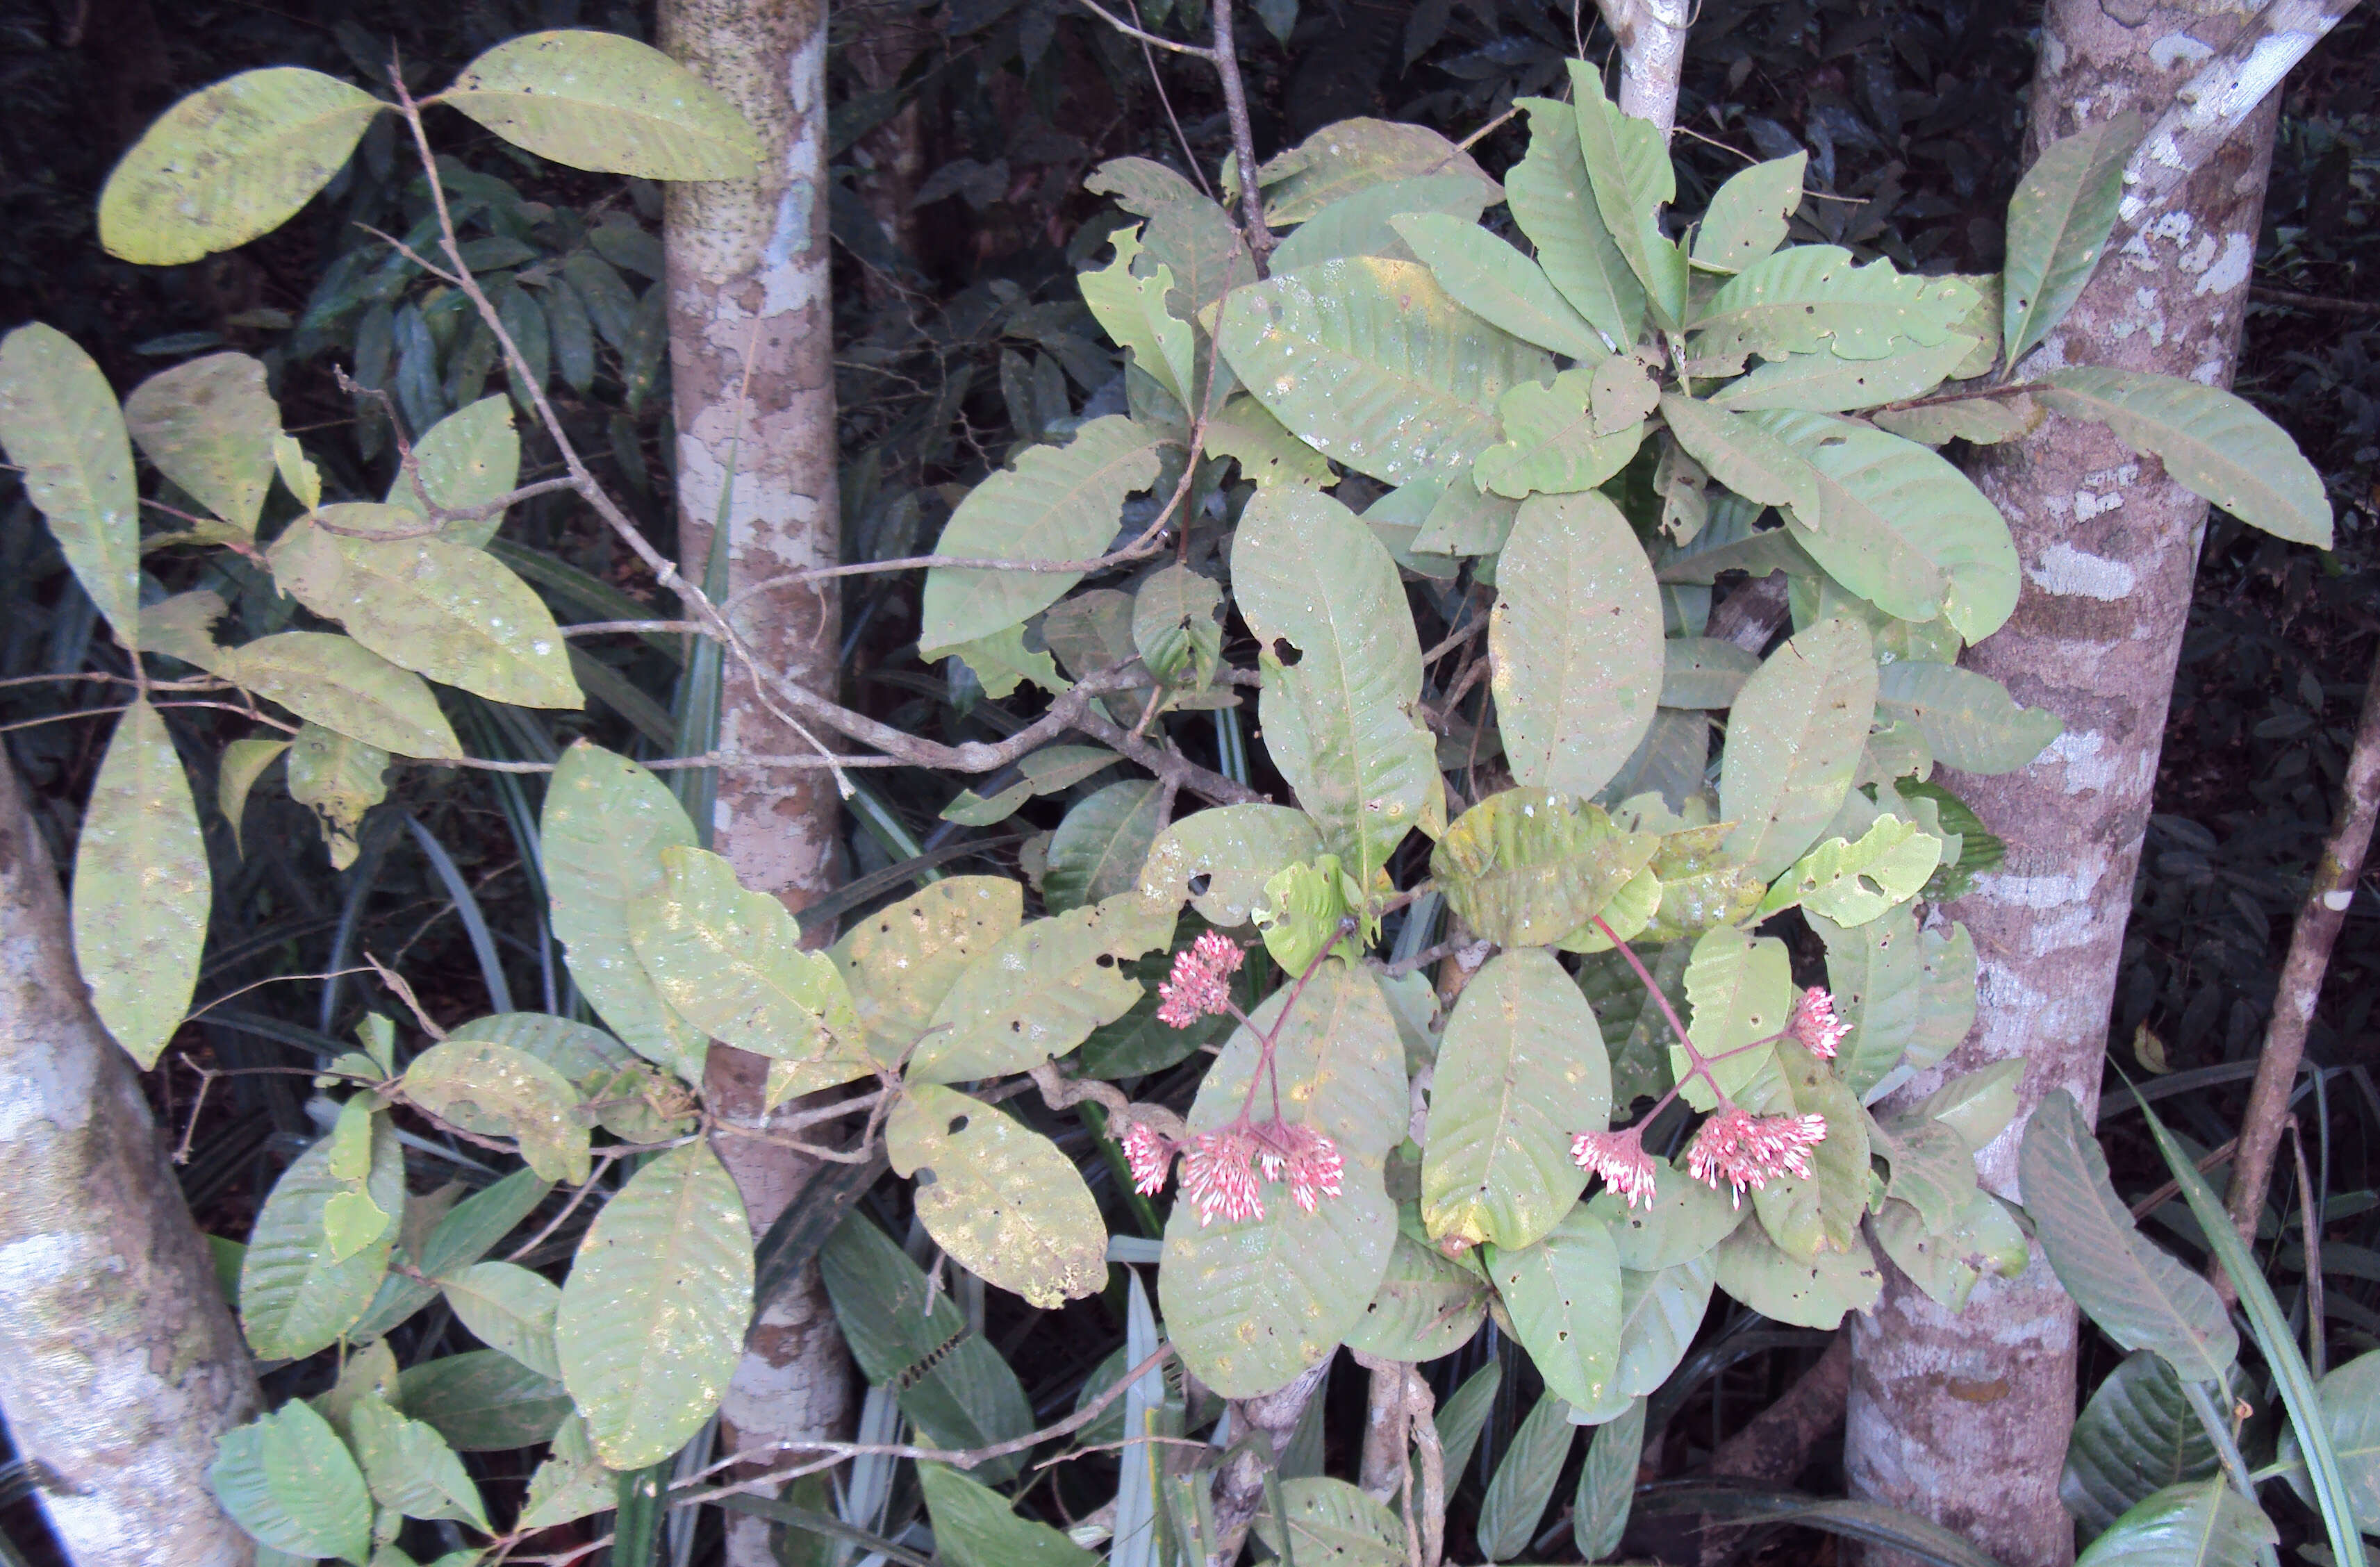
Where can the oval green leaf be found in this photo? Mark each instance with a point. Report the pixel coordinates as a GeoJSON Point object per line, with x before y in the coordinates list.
{"type": "Point", "coordinates": [496, 1090]}
{"type": "Point", "coordinates": [597, 100]}
{"type": "Point", "coordinates": [1001, 1200]}
{"type": "Point", "coordinates": [142, 888]}
{"type": "Point", "coordinates": [210, 425]}
{"type": "Point", "coordinates": [60, 423]}
{"type": "Point", "coordinates": [293, 1298]}
{"type": "Point", "coordinates": [1800, 723]}
{"type": "Point", "coordinates": [340, 684]}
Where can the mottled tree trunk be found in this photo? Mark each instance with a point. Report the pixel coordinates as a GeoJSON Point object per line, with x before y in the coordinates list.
{"type": "Point", "coordinates": [749, 276]}
{"type": "Point", "coordinates": [1964, 1419]}
{"type": "Point", "coordinates": [119, 1365]}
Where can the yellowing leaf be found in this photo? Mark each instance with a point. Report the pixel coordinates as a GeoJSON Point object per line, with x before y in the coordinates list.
{"type": "Point", "coordinates": [60, 423]}
{"type": "Point", "coordinates": [1038, 992]}
{"type": "Point", "coordinates": [466, 459]}
{"type": "Point", "coordinates": [901, 962]}
{"type": "Point", "coordinates": [499, 1091]}
{"type": "Point", "coordinates": [1002, 1200]}
{"type": "Point", "coordinates": [141, 890]}
{"type": "Point", "coordinates": [209, 426]}
{"type": "Point", "coordinates": [339, 684]}
{"type": "Point", "coordinates": [1528, 866]}
{"type": "Point", "coordinates": [599, 101]}
{"type": "Point", "coordinates": [338, 778]}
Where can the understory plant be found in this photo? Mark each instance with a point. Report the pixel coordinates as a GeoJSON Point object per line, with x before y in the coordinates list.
{"type": "Point", "coordinates": [1502, 994]}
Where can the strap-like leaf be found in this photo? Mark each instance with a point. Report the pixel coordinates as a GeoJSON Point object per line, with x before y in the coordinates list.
{"type": "Point", "coordinates": [1628, 165]}
{"type": "Point", "coordinates": [1553, 202]}
{"type": "Point", "coordinates": [1493, 281]}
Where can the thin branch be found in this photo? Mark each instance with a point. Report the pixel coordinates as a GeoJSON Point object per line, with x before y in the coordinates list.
{"type": "Point", "coordinates": [1226, 55]}
{"type": "Point", "coordinates": [2313, 301]}
{"type": "Point", "coordinates": [640, 627]}
{"type": "Point", "coordinates": [1151, 39]}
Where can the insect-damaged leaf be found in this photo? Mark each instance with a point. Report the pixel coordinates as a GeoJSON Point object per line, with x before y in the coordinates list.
{"type": "Point", "coordinates": [230, 162]}
{"type": "Point", "coordinates": [1801, 721]}
{"type": "Point", "coordinates": [1428, 1305]}
{"type": "Point", "coordinates": [1807, 1216]}
{"type": "Point", "coordinates": [141, 889]}
{"type": "Point", "coordinates": [652, 1318]}
{"type": "Point", "coordinates": [1563, 1293]}
{"type": "Point", "coordinates": [468, 459]}
{"type": "Point", "coordinates": [1746, 220]}
{"type": "Point", "coordinates": [1330, 1521]}
{"type": "Point", "coordinates": [1554, 442]}
{"type": "Point", "coordinates": [1628, 167]}
{"type": "Point", "coordinates": [1823, 381]}
{"type": "Point", "coordinates": [209, 425]}
{"type": "Point", "coordinates": [293, 1298]}
{"type": "Point", "coordinates": [1220, 859]}
{"type": "Point", "coordinates": [496, 1090]}
{"type": "Point", "coordinates": [60, 423]}
{"type": "Point", "coordinates": [1002, 1200]}
{"type": "Point", "coordinates": [2058, 224]}
{"type": "Point", "coordinates": [1132, 310]}
{"type": "Point", "coordinates": [1740, 991]}
{"type": "Point", "coordinates": [1814, 297]}
{"type": "Point", "coordinates": [1809, 1293]}
{"type": "Point", "coordinates": [338, 778]}
{"type": "Point", "coordinates": [1530, 866]}
{"type": "Point", "coordinates": [1039, 991]}
{"type": "Point", "coordinates": [900, 962]}
{"type": "Point", "coordinates": [599, 101]}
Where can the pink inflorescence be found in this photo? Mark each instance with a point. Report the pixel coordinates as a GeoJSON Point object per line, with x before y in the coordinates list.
{"type": "Point", "coordinates": [1149, 1154]}
{"type": "Point", "coordinates": [1816, 1025]}
{"type": "Point", "coordinates": [1619, 1158]}
{"type": "Point", "coordinates": [1748, 1150]}
{"type": "Point", "coordinates": [1220, 1174]}
{"type": "Point", "coordinates": [1200, 985]}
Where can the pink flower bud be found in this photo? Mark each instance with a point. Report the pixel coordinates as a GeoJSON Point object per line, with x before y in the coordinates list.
{"type": "Point", "coordinates": [1148, 1156]}
{"type": "Point", "coordinates": [1816, 1025]}
{"type": "Point", "coordinates": [1200, 984]}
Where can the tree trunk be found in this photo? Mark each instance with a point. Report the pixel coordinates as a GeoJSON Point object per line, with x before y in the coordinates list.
{"type": "Point", "coordinates": [119, 1365]}
{"type": "Point", "coordinates": [1964, 1419]}
{"type": "Point", "coordinates": [748, 276]}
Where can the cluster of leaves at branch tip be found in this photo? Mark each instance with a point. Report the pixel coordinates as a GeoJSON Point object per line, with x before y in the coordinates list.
{"type": "Point", "coordinates": [1583, 427]}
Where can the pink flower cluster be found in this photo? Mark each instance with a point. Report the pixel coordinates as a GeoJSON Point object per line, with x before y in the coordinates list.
{"type": "Point", "coordinates": [1200, 985]}
{"type": "Point", "coordinates": [1816, 1025]}
{"type": "Point", "coordinates": [1748, 1150]}
{"type": "Point", "coordinates": [1619, 1158]}
{"type": "Point", "coordinates": [1220, 1168]}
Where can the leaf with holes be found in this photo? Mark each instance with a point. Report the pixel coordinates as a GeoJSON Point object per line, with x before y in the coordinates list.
{"type": "Point", "coordinates": [293, 1298]}
{"type": "Point", "coordinates": [1573, 640]}
{"type": "Point", "coordinates": [599, 101]}
{"type": "Point", "coordinates": [142, 888]}
{"type": "Point", "coordinates": [1370, 361]}
{"type": "Point", "coordinates": [1740, 989]}
{"type": "Point", "coordinates": [1342, 671]}
{"type": "Point", "coordinates": [1933, 1167]}
{"type": "Point", "coordinates": [288, 1480]}
{"type": "Point", "coordinates": [1002, 1200]}
{"type": "Point", "coordinates": [1098, 849]}
{"type": "Point", "coordinates": [448, 611]}
{"type": "Point", "coordinates": [1268, 454]}
{"type": "Point", "coordinates": [341, 685]}
{"type": "Point", "coordinates": [1334, 1523]}
{"type": "Point", "coordinates": [1487, 276]}
{"type": "Point", "coordinates": [1800, 723]}
{"type": "Point", "coordinates": [1040, 990]}
{"type": "Point", "coordinates": [1551, 443]}
{"type": "Point", "coordinates": [1529, 866]}
{"type": "Point", "coordinates": [1740, 454]}
{"type": "Point", "coordinates": [2136, 1293]}
{"type": "Point", "coordinates": [605, 823]}
{"type": "Point", "coordinates": [569, 1483]}
{"type": "Point", "coordinates": [1186, 231]}
{"type": "Point", "coordinates": [60, 423]}
{"type": "Point", "coordinates": [338, 778]}
{"type": "Point", "coordinates": [2212, 444]}
{"type": "Point", "coordinates": [1428, 1305]}
{"type": "Point", "coordinates": [1814, 1292]}
{"type": "Point", "coordinates": [1513, 1088]}
{"type": "Point", "coordinates": [470, 458]}
{"type": "Point", "coordinates": [509, 1308]}
{"type": "Point", "coordinates": [2058, 226]}
{"type": "Point", "coordinates": [1131, 308]}
{"type": "Point", "coordinates": [1853, 882]}
{"type": "Point", "coordinates": [1814, 297]}
{"type": "Point", "coordinates": [410, 1468]}
{"type": "Point", "coordinates": [230, 162]}
{"type": "Point", "coordinates": [1220, 859]}
{"type": "Point", "coordinates": [901, 961]}
{"type": "Point", "coordinates": [1746, 222]}
{"type": "Point", "coordinates": [1819, 1213]}
{"type": "Point", "coordinates": [652, 1318]}
{"type": "Point", "coordinates": [1948, 1264]}
{"type": "Point", "coordinates": [1057, 504]}
{"type": "Point", "coordinates": [1563, 1295]}
{"type": "Point", "coordinates": [1350, 155]}
{"type": "Point", "coordinates": [209, 425]}
{"type": "Point", "coordinates": [1683, 1219]}
{"type": "Point", "coordinates": [1968, 720]}
{"type": "Point", "coordinates": [496, 1090]}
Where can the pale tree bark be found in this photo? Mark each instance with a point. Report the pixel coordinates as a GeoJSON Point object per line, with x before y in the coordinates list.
{"type": "Point", "coordinates": [748, 277]}
{"type": "Point", "coordinates": [1963, 1418]}
{"type": "Point", "coordinates": [119, 1364]}
{"type": "Point", "coordinates": [1652, 35]}
{"type": "Point", "coordinates": [1239, 1486]}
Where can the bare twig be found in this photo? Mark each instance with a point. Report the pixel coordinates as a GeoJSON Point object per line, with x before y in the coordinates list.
{"type": "Point", "coordinates": [1151, 39]}
{"type": "Point", "coordinates": [2313, 301]}
{"type": "Point", "coordinates": [1226, 55]}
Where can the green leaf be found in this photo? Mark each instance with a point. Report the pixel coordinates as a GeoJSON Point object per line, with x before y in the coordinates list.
{"type": "Point", "coordinates": [1946, 999]}
{"type": "Point", "coordinates": [1564, 1296]}
{"type": "Point", "coordinates": [1704, 673]}
{"type": "Point", "coordinates": [1186, 231]}
{"type": "Point", "coordinates": [339, 684]}
{"type": "Point", "coordinates": [496, 1090]}
{"type": "Point", "coordinates": [2135, 1437]}
{"type": "Point", "coordinates": [1740, 987]}
{"type": "Point", "coordinates": [293, 1298]}
{"type": "Point", "coordinates": [1177, 624]}
{"type": "Point", "coordinates": [2212, 444]}
{"type": "Point", "coordinates": [2202, 1524]}
{"type": "Point", "coordinates": [483, 1401]}
{"type": "Point", "coordinates": [1364, 223]}
{"type": "Point", "coordinates": [1002, 1200]}
{"type": "Point", "coordinates": [1628, 167]}
{"type": "Point", "coordinates": [1853, 882]}
{"type": "Point", "coordinates": [1350, 155]}
{"type": "Point", "coordinates": [1268, 454]}
{"type": "Point", "coordinates": [974, 1527]}
{"type": "Point", "coordinates": [1513, 1089]}
{"type": "Point", "coordinates": [338, 778]}
{"type": "Point", "coordinates": [652, 1318]}
{"type": "Point", "coordinates": [1659, 1314]}
{"type": "Point", "coordinates": [1977, 1105]}
{"type": "Point", "coordinates": [60, 423]}
{"type": "Point", "coordinates": [1131, 309]}
{"type": "Point", "coordinates": [1806, 1292]}
{"type": "Point", "coordinates": [1968, 720]}
{"type": "Point", "coordinates": [209, 426]}
{"type": "Point", "coordinates": [1746, 222]}
{"type": "Point", "coordinates": [901, 962]}
{"type": "Point", "coordinates": [1825, 382]}
{"type": "Point", "coordinates": [1461, 521]}
{"type": "Point", "coordinates": [1573, 640]}
{"type": "Point", "coordinates": [2136, 1293]}
{"type": "Point", "coordinates": [1817, 1214]}
{"type": "Point", "coordinates": [446, 610]}
{"type": "Point", "coordinates": [605, 822]}
{"type": "Point", "coordinates": [470, 458]}
{"type": "Point", "coordinates": [729, 961]}
{"type": "Point", "coordinates": [1428, 1305]}
{"type": "Point", "coordinates": [1933, 1167]}
{"type": "Point", "coordinates": [288, 1480]}
{"type": "Point", "coordinates": [599, 101]}
{"type": "Point", "coordinates": [2350, 1408]}
{"type": "Point", "coordinates": [1099, 847]}
{"type": "Point", "coordinates": [1316, 587]}
{"type": "Point", "coordinates": [1528, 866]}
{"type": "Point", "coordinates": [230, 162]}
{"type": "Point", "coordinates": [598, 1066]}
{"type": "Point", "coordinates": [1002, 661]}
{"type": "Point", "coordinates": [141, 891]}
{"type": "Point", "coordinates": [1740, 454]}
{"type": "Point", "coordinates": [244, 762]}
{"type": "Point", "coordinates": [1683, 1220]}
{"type": "Point", "coordinates": [1220, 859]}
{"type": "Point", "coordinates": [1553, 202]}
{"type": "Point", "coordinates": [1551, 441]}
{"type": "Point", "coordinates": [410, 1468]}
{"type": "Point", "coordinates": [1046, 772]}
{"type": "Point", "coordinates": [509, 1308]}
{"type": "Point", "coordinates": [1371, 362]}
{"type": "Point", "coordinates": [1816, 296]}
{"type": "Point", "coordinates": [1040, 990]}
{"type": "Point", "coordinates": [2058, 224]}
{"type": "Point", "coordinates": [1606, 1486]}
{"type": "Point", "coordinates": [570, 1484]}
{"type": "Point", "coordinates": [1057, 504]}
{"type": "Point", "coordinates": [1330, 1521]}
{"type": "Point", "coordinates": [1794, 742]}
{"type": "Point", "coordinates": [303, 481]}
{"type": "Point", "coordinates": [184, 627]}
{"type": "Point", "coordinates": [1900, 527]}
{"type": "Point", "coordinates": [1525, 1480]}
{"type": "Point", "coordinates": [1487, 276]}
{"type": "Point", "coordinates": [1948, 1263]}
{"type": "Point", "coordinates": [1985, 421]}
